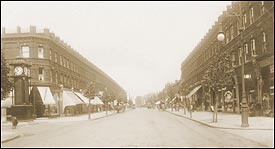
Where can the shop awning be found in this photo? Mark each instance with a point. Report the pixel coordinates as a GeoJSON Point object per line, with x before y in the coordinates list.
{"type": "Point", "coordinates": [97, 101]}
{"type": "Point", "coordinates": [193, 91]}
{"type": "Point", "coordinates": [69, 94]}
{"type": "Point", "coordinates": [166, 99]}
{"type": "Point", "coordinates": [173, 99]}
{"type": "Point", "coordinates": [157, 103]}
{"type": "Point", "coordinates": [46, 95]}
{"type": "Point", "coordinates": [82, 97]}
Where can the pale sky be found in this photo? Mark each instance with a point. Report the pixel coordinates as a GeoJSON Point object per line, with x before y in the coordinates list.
{"type": "Point", "coordinates": [140, 45]}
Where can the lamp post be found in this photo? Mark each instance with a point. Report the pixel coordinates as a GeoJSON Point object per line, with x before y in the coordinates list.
{"type": "Point", "coordinates": [60, 99]}
{"type": "Point", "coordinates": [244, 99]}
{"type": "Point", "coordinates": [34, 108]}
{"type": "Point", "coordinates": [220, 38]}
{"type": "Point", "coordinates": [223, 102]}
{"type": "Point", "coordinates": [245, 110]}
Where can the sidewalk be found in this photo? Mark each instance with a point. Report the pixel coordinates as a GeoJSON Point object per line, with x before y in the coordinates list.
{"type": "Point", "coordinates": [227, 120]}
{"type": "Point", "coordinates": [8, 134]}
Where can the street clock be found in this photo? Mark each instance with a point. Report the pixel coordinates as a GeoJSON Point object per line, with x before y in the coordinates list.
{"type": "Point", "coordinates": [18, 70]}
{"type": "Point", "coordinates": [21, 81]}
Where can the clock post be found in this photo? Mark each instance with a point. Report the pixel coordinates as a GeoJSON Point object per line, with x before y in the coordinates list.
{"type": "Point", "coordinates": [22, 107]}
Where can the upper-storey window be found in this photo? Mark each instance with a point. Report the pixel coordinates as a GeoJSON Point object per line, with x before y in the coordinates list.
{"type": "Point", "coordinates": [60, 58]}
{"type": "Point", "coordinates": [238, 27]}
{"type": "Point", "coordinates": [25, 50]}
{"type": "Point", "coordinates": [240, 55]}
{"type": "Point", "coordinates": [227, 36]}
{"type": "Point", "coordinates": [246, 55]}
{"type": "Point", "coordinates": [253, 48]}
{"type": "Point", "coordinates": [41, 74]}
{"type": "Point", "coordinates": [251, 15]}
{"type": "Point", "coordinates": [40, 52]}
{"type": "Point", "coordinates": [262, 9]}
{"type": "Point", "coordinates": [50, 52]}
{"type": "Point", "coordinates": [231, 32]}
{"type": "Point", "coordinates": [233, 58]}
{"type": "Point", "coordinates": [244, 20]}
{"type": "Point", "coordinates": [263, 42]}
{"type": "Point", "coordinates": [55, 57]}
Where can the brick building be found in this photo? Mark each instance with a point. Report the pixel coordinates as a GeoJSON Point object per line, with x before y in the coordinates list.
{"type": "Point", "coordinates": [257, 40]}
{"type": "Point", "coordinates": [54, 62]}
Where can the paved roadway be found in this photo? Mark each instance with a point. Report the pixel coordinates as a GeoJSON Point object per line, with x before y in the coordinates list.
{"type": "Point", "coordinates": [135, 128]}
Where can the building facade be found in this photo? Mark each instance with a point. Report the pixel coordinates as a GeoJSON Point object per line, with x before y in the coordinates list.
{"type": "Point", "coordinates": [54, 63]}
{"type": "Point", "coordinates": [248, 26]}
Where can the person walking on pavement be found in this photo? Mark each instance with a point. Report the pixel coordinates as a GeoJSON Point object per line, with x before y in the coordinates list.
{"type": "Point", "coordinates": [14, 122]}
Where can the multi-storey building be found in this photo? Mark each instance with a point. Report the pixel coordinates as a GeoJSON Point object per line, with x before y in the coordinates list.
{"type": "Point", "coordinates": [256, 39]}
{"type": "Point", "coordinates": [54, 63]}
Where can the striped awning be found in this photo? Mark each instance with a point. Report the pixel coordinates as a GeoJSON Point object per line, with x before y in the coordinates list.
{"type": "Point", "coordinates": [193, 91]}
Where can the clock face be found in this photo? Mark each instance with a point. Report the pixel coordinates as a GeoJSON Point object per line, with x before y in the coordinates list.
{"type": "Point", "coordinates": [18, 70]}
{"type": "Point", "coordinates": [26, 71]}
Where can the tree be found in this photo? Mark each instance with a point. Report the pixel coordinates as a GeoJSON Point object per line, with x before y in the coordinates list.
{"type": "Point", "coordinates": [6, 84]}
{"type": "Point", "coordinates": [218, 75]}
{"type": "Point", "coordinates": [90, 91]}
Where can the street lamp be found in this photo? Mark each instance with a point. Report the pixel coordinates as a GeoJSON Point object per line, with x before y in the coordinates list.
{"type": "Point", "coordinates": [245, 110]}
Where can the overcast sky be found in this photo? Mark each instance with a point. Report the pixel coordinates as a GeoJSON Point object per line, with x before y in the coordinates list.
{"type": "Point", "coordinates": [141, 45]}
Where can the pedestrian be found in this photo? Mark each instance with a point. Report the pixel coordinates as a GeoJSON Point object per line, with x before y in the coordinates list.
{"type": "Point", "coordinates": [14, 122]}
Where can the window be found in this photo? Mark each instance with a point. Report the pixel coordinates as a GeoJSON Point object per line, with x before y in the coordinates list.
{"type": "Point", "coordinates": [262, 8]}
{"type": "Point", "coordinates": [253, 49]}
{"type": "Point", "coordinates": [25, 50]}
{"type": "Point", "coordinates": [61, 78]}
{"type": "Point", "coordinates": [251, 15]}
{"type": "Point", "coordinates": [227, 36]}
{"type": "Point", "coordinates": [244, 20]}
{"type": "Point", "coordinates": [264, 42]}
{"type": "Point", "coordinates": [238, 27]}
{"type": "Point", "coordinates": [51, 76]}
{"type": "Point", "coordinates": [240, 56]}
{"type": "Point", "coordinates": [50, 54]}
{"type": "Point", "coordinates": [68, 66]}
{"type": "Point", "coordinates": [60, 58]}
{"type": "Point", "coordinates": [40, 52]}
{"type": "Point", "coordinates": [246, 55]}
{"type": "Point", "coordinates": [56, 79]}
{"type": "Point", "coordinates": [65, 80]}
{"type": "Point", "coordinates": [55, 57]}
{"type": "Point", "coordinates": [64, 61]}
{"type": "Point", "coordinates": [41, 74]}
{"type": "Point", "coordinates": [233, 59]}
{"type": "Point", "coordinates": [231, 32]}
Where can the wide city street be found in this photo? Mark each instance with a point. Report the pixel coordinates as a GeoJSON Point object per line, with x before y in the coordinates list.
{"type": "Point", "coordinates": [133, 128]}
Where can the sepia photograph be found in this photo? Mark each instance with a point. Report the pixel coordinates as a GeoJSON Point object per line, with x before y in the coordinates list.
{"type": "Point", "coordinates": [137, 74]}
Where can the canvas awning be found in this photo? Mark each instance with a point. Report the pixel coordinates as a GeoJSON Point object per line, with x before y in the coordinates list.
{"type": "Point", "coordinates": [97, 101]}
{"type": "Point", "coordinates": [157, 103]}
{"type": "Point", "coordinates": [166, 99]}
{"type": "Point", "coordinates": [193, 91]}
{"type": "Point", "coordinates": [173, 99]}
{"type": "Point", "coordinates": [82, 97]}
{"type": "Point", "coordinates": [46, 95]}
{"type": "Point", "coordinates": [69, 94]}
